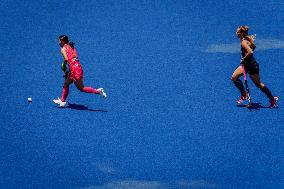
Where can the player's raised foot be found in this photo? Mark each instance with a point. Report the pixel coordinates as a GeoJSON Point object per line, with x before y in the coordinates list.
{"type": "Point", "coordinates": [59, 102]}
{"type": "Point", "coordinates": [102, 92]}
{"type": "Point", "coordinates": [242, 99]}
{"type": "Point", "coordinates": [273, 102]}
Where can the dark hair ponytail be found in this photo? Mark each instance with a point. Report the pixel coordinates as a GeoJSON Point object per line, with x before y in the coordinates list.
{"type": "Point", "coordinates": [65, 40]}
{"type": "Point", "coordinates": [71, 44]}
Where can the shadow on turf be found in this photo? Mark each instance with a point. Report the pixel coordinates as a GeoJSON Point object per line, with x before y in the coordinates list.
{"type": "Point", "coordinates": [82, 107]}
{"type": "Point", "coordinates": [254, 106]}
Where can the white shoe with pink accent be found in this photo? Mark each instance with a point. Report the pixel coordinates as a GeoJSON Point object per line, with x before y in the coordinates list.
{"type": "Point", "coordinates": [59, 102]}
{"type": "Point", "coordinates": [102, 92]}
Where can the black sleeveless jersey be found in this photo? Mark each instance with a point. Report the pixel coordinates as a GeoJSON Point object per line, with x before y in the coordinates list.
{"type": "Point", "coordinates": [250, 64]}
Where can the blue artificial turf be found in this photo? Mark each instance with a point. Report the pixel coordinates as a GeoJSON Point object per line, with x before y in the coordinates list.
{"type": "Point", "coordinates": [170, 120]}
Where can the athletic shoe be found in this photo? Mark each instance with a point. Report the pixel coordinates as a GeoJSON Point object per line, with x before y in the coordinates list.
{"type": "Point", "coordinates": [273, 102]}
{"type": "Point", "coordinates": [242, 99]}
{"type": "Point", "coordinates": [59, 102]}
{"type": "Point", "coordinates": [102, 92]}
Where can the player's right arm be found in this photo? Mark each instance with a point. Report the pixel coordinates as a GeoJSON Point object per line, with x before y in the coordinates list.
{"type": "Point", "coordinates": [64, 54]}
{"type": "Point", "coordinates": [249, 51]}
{"type": "Point", "coordinates": [63, 65]}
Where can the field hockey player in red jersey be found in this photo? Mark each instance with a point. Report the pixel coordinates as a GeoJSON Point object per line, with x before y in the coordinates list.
{"type": "Point", "coordinates": [75, 73]}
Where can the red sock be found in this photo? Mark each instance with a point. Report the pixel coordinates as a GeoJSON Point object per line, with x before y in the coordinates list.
{"type": "Point", "coordinates": [65, 92]}
{"type": "Point", "coordinates": [90, 90]}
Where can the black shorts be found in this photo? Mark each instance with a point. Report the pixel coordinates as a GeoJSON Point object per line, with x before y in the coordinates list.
{"type": "Point", "coordinates": [252, 67]}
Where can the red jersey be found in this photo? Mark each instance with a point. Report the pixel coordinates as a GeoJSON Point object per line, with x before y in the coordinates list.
{"type": "Point", "coordinates": [76, 71]}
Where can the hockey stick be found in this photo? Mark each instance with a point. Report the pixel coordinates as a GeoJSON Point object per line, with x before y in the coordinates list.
{"type": "Point", "coordinates": [247, 88]}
